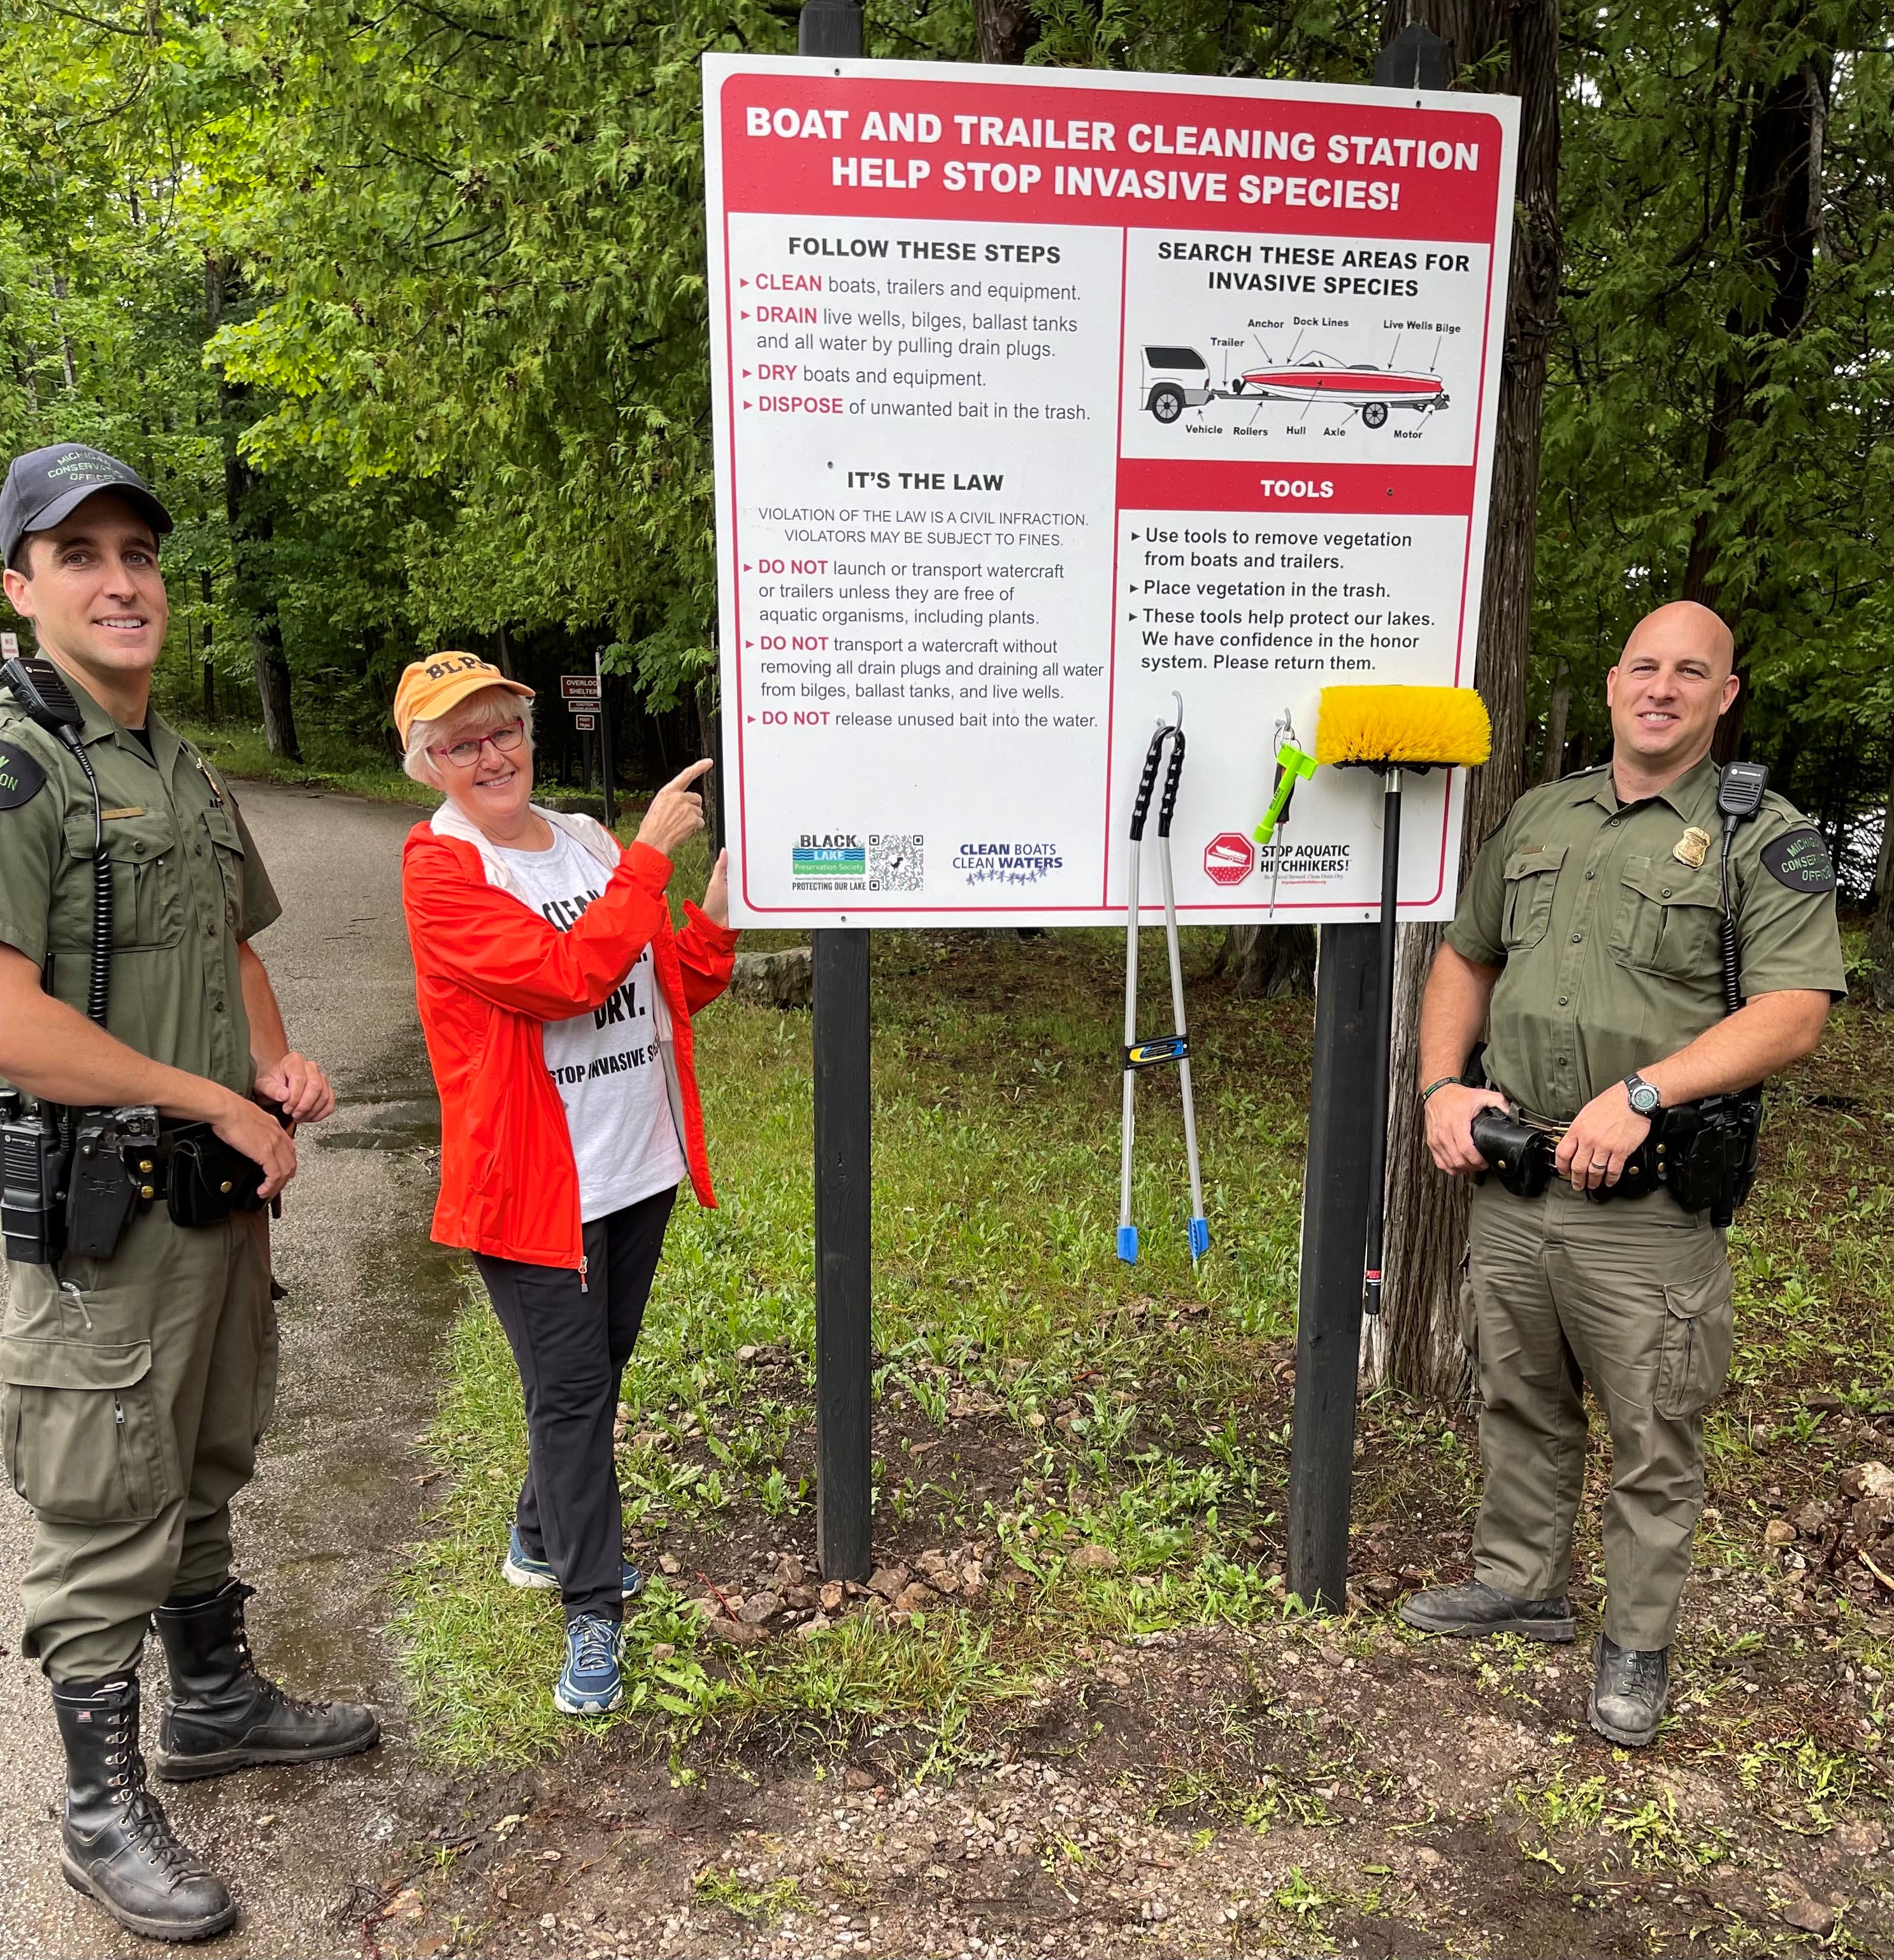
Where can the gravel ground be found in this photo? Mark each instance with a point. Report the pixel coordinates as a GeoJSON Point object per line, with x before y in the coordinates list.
{"type": "Point", "coordinates": [1300, 1788]}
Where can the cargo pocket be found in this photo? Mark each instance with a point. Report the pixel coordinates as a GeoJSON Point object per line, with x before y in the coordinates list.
{"type": "Point", "coordinates": [1666, 920]}
{"type": "Point", "coordinates": [83, 1442]}
{"type": "Point", "coordinates": [1532, 877]}
{"type": "Point", "coordinates": [268, 1362]}
{"type": "Point", "coordinates": [148, 893]}
{"type": "Point", "coordinates": [1699, 1321]}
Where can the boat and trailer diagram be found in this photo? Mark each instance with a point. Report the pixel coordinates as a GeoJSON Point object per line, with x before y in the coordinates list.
{"type": "Point", "coordinates": [1178, 377]}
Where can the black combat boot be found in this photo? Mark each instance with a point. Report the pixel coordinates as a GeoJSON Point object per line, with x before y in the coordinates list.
{"type": "Point", "coordinates": [1630, 1693]}
{"type": "Point", "coordinates": [1478, 1609]}
{"type": "Point", "coordinates": [222, 1715]}
{"type": "Point", "coordinates": [116, 1845]}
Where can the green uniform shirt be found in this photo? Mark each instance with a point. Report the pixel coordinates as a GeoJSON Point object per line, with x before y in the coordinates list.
{"type": "Point", "coordinates": [1608, 940]}
{"type": "Point", "coordinates": [187, 885]}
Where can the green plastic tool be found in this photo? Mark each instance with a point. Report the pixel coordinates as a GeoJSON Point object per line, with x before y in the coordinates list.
{"type": "Point", "coordinates": [1291, 763]}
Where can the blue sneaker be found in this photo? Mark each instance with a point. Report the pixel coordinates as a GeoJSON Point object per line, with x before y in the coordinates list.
{"type": "Point", "coordinates": [537, 1575]}
{"type": "Point", "coordinates": [589, 1683]}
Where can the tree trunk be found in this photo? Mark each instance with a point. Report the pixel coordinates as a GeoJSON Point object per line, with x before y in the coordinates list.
{"type": "Point", "coordinates": [273, 687]}
{"type": "Point", "coordinates": [1003, 30]}
{"type": "Point", "coordinates": [1780, 221]}
{"type": "Point", "coordinates": [1880, 933]}
{"type": "Point", "coordinates": [58, 290]}
{"type": "Point", "coordinates": [503, 651]}
{"type": "Point", "coordinates": [1416, 1345]}
{"type": "Point", "coordinates": [1553, 764]}
{"type": "Point", "coordinates": [1272, 962]}
{"type": "Point", "coordinates": [251, 531]}
{"type": "Point", "coordinates": [210, 669]}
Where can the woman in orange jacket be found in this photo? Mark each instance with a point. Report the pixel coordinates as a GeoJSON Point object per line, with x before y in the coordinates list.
{"type": "Point", "coordinates": [556, 1000]}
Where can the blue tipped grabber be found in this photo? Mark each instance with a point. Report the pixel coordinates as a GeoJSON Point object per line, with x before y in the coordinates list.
{"type": "Point", "coordinates": [1165, 1048]}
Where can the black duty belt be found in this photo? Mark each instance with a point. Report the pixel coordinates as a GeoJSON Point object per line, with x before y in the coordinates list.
{"type": "Point", "coordinates": [73, 1178]}
{"type": "Point", "coordinates": [1703, 1153]}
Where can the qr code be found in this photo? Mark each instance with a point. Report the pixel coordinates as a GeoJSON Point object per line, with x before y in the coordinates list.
{"type": "Point", "coordinates": [894, 863]}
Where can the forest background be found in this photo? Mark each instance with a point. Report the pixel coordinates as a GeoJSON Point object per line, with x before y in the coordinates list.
{"type": "Point", "coordinates": [402, 311]}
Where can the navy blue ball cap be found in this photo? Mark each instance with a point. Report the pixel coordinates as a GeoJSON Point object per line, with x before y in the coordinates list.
{"type": "Point", "coordinates": [44, 487]}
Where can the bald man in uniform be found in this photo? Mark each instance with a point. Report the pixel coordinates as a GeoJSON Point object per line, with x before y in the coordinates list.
{"type": "Point", "coordinates": [1587, 948]}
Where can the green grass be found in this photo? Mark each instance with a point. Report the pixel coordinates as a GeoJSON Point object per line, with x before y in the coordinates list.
{"type": "Point", "coordinates": [999, 1302]}
{"type": "Point", "coordinates": [481, 1653]}
{"type": "Point", "coordinates": [1035, 1396]}
{"type": "Point", "coordinates": [330, 761]}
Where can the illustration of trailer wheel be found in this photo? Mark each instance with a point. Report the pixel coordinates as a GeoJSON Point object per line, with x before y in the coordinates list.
{"type": "Point", "coordinates": [1374, 413]}
{"type": "Point", "coordinates": [1167, 401]}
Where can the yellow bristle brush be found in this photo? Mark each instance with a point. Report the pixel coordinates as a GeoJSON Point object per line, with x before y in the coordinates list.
{"type": "Point", "coordinates": [1418, 727]}
{"type": "Point", "coordinates": [1391, 729]}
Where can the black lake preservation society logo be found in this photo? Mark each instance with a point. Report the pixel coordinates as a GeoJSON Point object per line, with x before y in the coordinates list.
{"type": "Point", "coordinates": [829, 863]}
{"type": "Point", "coordinates": [841, 861]}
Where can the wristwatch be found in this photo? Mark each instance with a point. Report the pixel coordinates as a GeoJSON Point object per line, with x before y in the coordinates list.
{"type": "Point", "coordinates": [1646, 1098]}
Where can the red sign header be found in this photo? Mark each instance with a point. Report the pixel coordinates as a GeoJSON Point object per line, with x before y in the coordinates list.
{"type": "Point", "coordinates": [871, 146]}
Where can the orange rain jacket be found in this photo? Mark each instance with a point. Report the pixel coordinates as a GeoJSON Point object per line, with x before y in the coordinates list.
{"type": "Point", "coordinates": [489, 971]}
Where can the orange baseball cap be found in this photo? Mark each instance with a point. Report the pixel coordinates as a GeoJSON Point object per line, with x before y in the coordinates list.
{"type": "Point", "coordinates": [427, 688]}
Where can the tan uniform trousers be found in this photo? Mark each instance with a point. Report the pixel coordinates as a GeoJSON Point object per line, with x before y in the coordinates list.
{"type": "Point", "coordinates": [1632, 1298]}
{"type": "Point", "coordinates": [133, 1397]}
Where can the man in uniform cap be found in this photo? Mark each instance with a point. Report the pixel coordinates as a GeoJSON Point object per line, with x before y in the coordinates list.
{"type": "Point", "coordinates": [1586, 944]}
{"type": "Point", "coordinates": [136, 1385]}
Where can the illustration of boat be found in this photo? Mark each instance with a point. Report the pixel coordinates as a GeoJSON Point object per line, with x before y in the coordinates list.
{"type": "Point", "coordinates": [1321, 377]}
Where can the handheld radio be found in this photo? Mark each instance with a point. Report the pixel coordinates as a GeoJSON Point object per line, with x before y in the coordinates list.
{"type": "Point", "coordinates": [36, 1146]}
{"type": "Point", "coordinates": [1739, 791]}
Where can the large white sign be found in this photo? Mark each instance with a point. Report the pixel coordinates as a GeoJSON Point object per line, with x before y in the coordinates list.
{"type": "Point", "coordinates": [1043, 397]}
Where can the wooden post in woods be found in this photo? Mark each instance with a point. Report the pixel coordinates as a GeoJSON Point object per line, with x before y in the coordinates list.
{"type": "Point", "coordinates": [604, 743]}
{"type": "Point", "coordinates": [1417, 1343]}
{"type": "Point", "coordinates": [845, 1456]}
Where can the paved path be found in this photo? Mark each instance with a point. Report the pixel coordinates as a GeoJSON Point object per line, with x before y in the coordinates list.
{"type": "Point", "coordinates": [321, 1529]}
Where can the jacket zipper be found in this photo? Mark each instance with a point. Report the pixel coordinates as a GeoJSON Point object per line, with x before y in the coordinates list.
{"type": "Point", "coordinates": [490, 866]}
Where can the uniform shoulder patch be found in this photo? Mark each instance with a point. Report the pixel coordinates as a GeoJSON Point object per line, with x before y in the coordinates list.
{"type": "Point", "coordinates": [1799, 860]}
{"type": "Point", "coordinates": [21, 777]}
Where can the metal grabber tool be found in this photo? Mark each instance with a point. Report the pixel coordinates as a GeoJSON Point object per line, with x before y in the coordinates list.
{"type": "Point", "coordinates": [1293, 761]}
{"type": "Point", "coordinates": [1165, 1048]}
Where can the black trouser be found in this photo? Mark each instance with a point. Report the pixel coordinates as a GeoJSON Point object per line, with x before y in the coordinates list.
{"type": "Point", "coordinates": [571, 1346]}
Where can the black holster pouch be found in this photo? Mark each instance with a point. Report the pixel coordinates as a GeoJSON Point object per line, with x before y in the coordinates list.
{"type": "Point", "coordinates": [1517, 1152]}
{"type": "Point", "coordinates": [208, 1180]}
{"type": "Point", "coordinates": [114, 1168]}
{"type": "Point", "coordinates": [1704, 1153]}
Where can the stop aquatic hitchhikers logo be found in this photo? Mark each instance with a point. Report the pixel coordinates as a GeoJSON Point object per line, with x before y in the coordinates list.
{"type": "Point", "coordinates": [1007, 864]}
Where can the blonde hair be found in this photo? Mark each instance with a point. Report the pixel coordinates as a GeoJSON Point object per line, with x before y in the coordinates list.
{"type": "Point", "coordinates": [486, 707]}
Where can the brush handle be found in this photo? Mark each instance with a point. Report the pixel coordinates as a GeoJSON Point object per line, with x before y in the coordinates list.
{"type": "Point", "coordinates": [1384, 1039]}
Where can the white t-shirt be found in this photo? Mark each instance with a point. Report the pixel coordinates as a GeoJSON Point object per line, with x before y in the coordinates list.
{"type": "Point", "coordinates": [605, 1061]}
